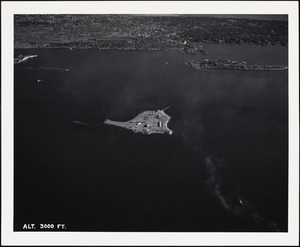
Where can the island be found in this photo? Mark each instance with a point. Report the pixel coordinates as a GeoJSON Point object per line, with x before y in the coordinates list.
{"type": "Point", "coordinates": [147, 122]}
{"type": "Point", "coordinates": [229, 64]}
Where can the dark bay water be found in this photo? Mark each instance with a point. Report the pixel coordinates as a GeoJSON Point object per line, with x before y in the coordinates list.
{"type": "Point", "coordinates": [224, 168]}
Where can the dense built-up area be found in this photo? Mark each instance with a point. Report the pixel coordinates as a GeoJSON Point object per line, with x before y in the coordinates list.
{"type": "Point", "coordinates": [134, 32]}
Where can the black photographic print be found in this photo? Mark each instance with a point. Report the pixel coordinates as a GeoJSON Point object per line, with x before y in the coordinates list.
{"type": "Point", "coordinates": [150, 122]}
{"type": "Point", "coordinates": [224, 79]}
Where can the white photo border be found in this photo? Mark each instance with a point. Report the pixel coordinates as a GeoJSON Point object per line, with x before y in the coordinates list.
{"type": "Point", "coordinates": [9, 8]}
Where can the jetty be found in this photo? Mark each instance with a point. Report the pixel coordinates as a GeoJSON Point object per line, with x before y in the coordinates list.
{"type": "Point", "coordinates": [231, 64]}
{"type": "Point", "coordinates": [22, 59]}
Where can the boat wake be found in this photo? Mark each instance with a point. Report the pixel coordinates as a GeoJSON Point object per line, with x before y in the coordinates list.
{"type": "Point", "coordinates": [85, 124]}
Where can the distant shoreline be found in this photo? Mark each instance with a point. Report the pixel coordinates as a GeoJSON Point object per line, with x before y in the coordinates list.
{"type": "Point", "coordinates": [138, 32]}
{"type": "Point", "coordinates": [133, 49]}
{"type": "Point", "coordinates": [268, 17]}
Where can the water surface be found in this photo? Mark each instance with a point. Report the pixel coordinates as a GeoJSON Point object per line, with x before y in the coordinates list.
{"type": "Point", "coordinates": [229, 142]}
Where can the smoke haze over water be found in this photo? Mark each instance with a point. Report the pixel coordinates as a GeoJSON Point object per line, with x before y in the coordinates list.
{"type": "Point", "coordinates": [232, 201]}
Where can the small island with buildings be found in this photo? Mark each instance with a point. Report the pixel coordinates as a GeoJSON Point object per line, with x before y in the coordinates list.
{"type": "Point", "coordinates": [147, 122]}
{"type": "Point", "coordinates": [229, 64]}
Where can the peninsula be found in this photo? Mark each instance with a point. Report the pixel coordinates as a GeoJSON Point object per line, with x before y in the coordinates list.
{"type": "Point", "coordinates": [229, 64]}
{"type": "Point", "coordinates": [147, 122]}
{"type": "Point", "coordinates": [21, 58]}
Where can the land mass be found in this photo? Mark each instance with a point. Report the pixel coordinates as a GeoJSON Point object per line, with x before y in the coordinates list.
{"type": "Point", "coordinates": [22, 59]}
{"type": "Point", "coordinates": [144, 32]}
{"type": "Point", "coordinates": [229, 64]}
{"type": "Point", "coordinates": [147, 122]}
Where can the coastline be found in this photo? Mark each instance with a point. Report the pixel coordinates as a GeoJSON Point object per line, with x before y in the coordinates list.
{"type": "Point", "coordinates": [129, 32]}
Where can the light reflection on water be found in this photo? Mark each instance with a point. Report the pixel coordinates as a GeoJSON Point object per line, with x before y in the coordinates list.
{"type": "Point", "coordinates": [107, 178]}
